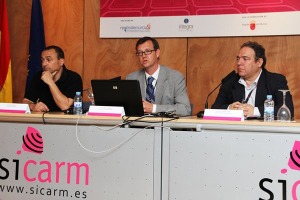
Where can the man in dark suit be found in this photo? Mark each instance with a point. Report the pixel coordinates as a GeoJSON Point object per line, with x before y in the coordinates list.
{"type": "Point", "coordinates": [248, 90]}
{"type": "Point", "coordinates": [167, 85]}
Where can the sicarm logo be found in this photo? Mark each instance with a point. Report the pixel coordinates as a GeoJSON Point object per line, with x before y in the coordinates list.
{"type": "Point", "coordinates": [33, 172]}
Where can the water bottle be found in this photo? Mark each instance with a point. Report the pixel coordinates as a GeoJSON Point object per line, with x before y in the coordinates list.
{"type": "Point", "coordinates": [77, 110]}
{"type": "Point", "coordinates": [269, 109]}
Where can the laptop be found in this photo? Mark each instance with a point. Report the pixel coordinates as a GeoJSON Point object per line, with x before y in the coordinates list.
{"type": "Point", "coordinates": [125, 93]}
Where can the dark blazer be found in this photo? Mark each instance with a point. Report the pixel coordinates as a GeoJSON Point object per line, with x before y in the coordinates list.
{"type": "Point", "coordinates": [268, 83]}
{"type": "Point", "coordinates": [170, 90]}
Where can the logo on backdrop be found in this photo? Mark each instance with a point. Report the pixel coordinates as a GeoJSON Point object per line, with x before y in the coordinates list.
{"type": "Point", "coordinates": [186, 26]}
{"type": "Point", "coordinates": [39, 171]}
{"type": "Point", "coordinates": [33, 141]}
{"type": "Point", "coordinates": [136, 29]}
{"type": "Point", "coordinates": [294, 164]}
{"type": "Point", "coordinates": [294, 161]}
{"type": "Point", "coordinates": [252, 25]}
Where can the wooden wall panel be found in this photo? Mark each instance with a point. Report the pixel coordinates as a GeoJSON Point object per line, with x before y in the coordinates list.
{"type": "Point", "coordinates": [63, 23]}
{"type": "Point", "coordinates": [19, 27]}
{"type": "Point", "coordinates": [209, 59]}
{"type": "Point", "coordinates": [74, 25]}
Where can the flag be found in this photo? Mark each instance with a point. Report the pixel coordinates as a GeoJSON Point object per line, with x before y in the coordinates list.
{"type": "Point", "coordinates": [5, 64]}
{"type": "Point", "coordinates": [37, 40]}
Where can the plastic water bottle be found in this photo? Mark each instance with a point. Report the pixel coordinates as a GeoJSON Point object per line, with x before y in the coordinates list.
{"type": "Point", "coordinates": [77, 110]}
{"type": "Point", "coordinates": [269, 109]}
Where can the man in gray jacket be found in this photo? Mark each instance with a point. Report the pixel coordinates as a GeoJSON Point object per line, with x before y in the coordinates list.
{"type": "Point", "coordinates": [163, 89]}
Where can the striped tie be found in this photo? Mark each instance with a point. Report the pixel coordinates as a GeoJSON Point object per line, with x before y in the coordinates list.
{"type": "Point", "coordinates": [150, 90]}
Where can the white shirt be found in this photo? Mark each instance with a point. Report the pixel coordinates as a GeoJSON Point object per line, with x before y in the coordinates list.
{"type": "Point", "coordinates": [155, 76]}
{"type": "Point", "coordinates": [248, 89]}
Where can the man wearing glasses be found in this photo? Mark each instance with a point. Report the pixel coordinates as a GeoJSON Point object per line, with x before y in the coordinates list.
{"type": "Point", "coordinates": [249, 89]}
{"type": "Point", "coordinates": [163, 89]}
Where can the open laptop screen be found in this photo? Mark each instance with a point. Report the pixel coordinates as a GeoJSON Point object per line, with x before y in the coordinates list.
{"type": "Point", "coordinates": [126, 93]}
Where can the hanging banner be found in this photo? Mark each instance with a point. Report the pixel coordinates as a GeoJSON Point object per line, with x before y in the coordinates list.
{"type": "Point", "coordinates": [198, 18]}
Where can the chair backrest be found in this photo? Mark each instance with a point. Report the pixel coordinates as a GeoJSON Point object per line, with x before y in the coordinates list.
{"type": "Point", "coordinates": [192, 106]}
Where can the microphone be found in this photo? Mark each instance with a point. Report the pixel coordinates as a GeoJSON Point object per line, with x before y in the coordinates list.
{"type": "Point", "coordinates": [225, 79]}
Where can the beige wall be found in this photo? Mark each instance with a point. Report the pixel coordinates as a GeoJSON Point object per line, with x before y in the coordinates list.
{"type": "Point", "coordinates": [74, 25]}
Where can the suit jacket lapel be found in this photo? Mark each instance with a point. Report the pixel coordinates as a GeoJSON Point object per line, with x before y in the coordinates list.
{"type": "Point", "coordinates": [142, 80]}
{"type": "Point", "coordinates": [260, 91]}
{"type": "Point", "coordinates": [238, 92]}
{"type": "Point", "coordinates": [160, 85]}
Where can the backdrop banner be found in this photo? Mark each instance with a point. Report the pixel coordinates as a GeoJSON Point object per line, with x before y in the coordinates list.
{"type": "Point", "coordinates": [198, 18]}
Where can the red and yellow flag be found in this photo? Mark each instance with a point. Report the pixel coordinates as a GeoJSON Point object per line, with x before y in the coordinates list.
{"type": "Point", "coordinates": [5, 63]}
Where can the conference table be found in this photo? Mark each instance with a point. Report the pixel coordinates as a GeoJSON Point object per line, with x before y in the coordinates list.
{"type": "Point", "coordinates": [59, 156]}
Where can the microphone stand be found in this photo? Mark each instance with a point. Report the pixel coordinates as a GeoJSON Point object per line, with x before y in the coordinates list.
{"type": "Point", "coordinates": [201, 113]}
{"type": "Point", "coordinates": [229, 76]}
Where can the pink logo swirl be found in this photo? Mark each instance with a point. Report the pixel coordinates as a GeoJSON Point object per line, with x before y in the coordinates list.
{"type": "Point", "coordinates": [294, 161]}
{"type": "Point", "coordinates": [33, 141]}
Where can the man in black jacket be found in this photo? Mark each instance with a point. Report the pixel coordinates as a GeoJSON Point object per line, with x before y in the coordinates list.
{"type": "Point", "coordinates": [249, 89]}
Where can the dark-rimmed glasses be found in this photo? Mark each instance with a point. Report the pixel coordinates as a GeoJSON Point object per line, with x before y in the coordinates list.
{"type": "Point", "coordinates": [146, 52]}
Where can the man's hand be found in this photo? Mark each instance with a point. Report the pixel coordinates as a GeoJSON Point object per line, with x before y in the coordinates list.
{"type": "Point", "coordinates": [235, 106]}
{"type": "Point", "coordinates": [39, 107]}
{"type": "Point", "coordinates": [148, 107]}
{"type": "Point", "coordinates": [247, 108]}
{"type": "Point", "coordinates": [47, 77]}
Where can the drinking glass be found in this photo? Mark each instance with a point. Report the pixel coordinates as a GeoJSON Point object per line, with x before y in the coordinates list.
{"type": "Point", "coordinates": [284, 114]}
{"type": "Point", "coordinates": [91, 95]}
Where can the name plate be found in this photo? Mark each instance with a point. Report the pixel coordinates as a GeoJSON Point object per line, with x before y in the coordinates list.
{"type": "Point", "coordinates": [14, 108]}
{"type": "Point", "coordinates": [222, 114]}
{"type": "Point", "coordinates": [109, 111]}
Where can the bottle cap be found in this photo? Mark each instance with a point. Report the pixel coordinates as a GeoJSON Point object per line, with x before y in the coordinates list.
{"type": "Point", "coordinates": [269, 96]}
{"type": "Point", "coordinates": [78, 93]}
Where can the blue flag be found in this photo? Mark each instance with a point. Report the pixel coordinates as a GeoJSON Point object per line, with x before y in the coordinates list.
{"type": "Point", "coordinates": [37, 40]}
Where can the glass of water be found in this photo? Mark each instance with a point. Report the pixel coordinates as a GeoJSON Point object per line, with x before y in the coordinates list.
{"type": "Point", "coordinates": [284, 114]}
{"type": "Point", "coordinates": [91, 95]}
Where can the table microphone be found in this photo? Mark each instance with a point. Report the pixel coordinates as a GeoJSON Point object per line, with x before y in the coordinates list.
{"type": "Point", "coordinates": [226, 78]}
